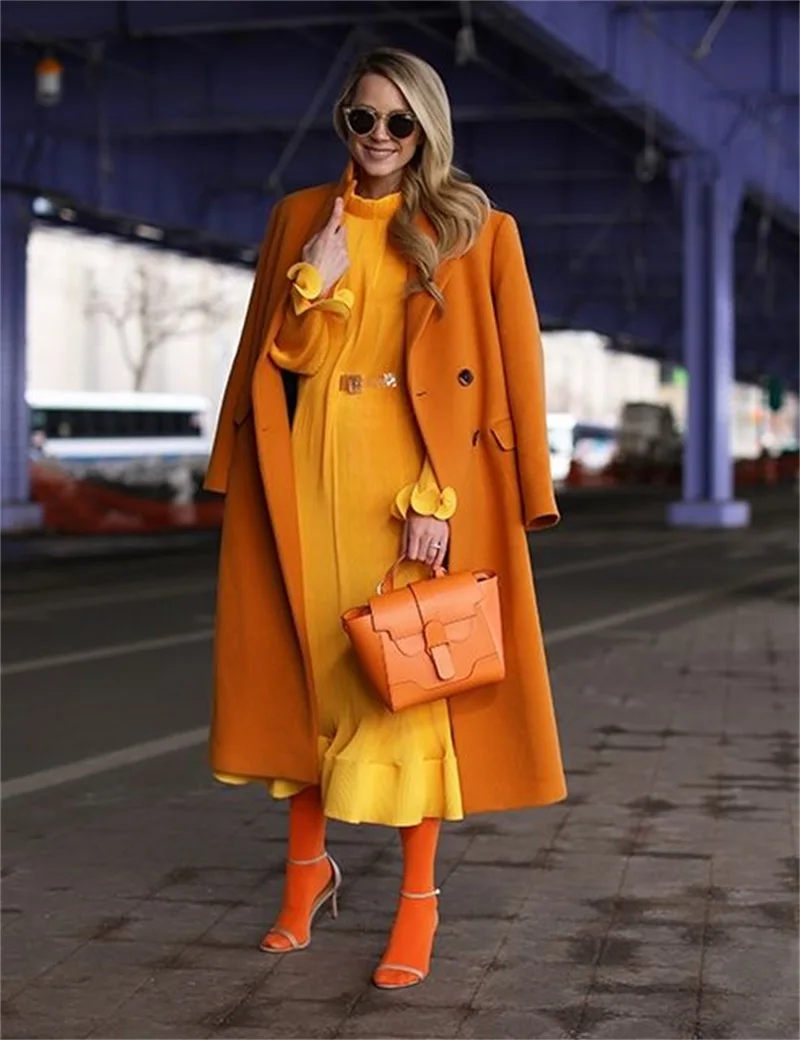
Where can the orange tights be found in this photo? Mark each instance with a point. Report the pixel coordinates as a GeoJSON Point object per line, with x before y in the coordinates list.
{"type": "Point", "coordinates": [304, 881]}
{"type": "Point", "coordinates": [415, 922]}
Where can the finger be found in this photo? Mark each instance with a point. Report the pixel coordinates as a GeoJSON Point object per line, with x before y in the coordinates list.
{"type": "Point", "coordinates": [413, 543]}
{"type": "Point", "coordinates": [336, 216]}
{"type": "Point", "coordinates": [435, 555]}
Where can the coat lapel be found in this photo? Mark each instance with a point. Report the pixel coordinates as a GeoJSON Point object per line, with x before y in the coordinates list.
{"type": "Point", "coordinates": [421, 306]}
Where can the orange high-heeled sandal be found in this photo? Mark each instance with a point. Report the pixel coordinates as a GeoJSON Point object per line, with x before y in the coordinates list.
{"type": "Point", "coordinates": [329, 893]}
{"type": "Point", "coordinates": [419, 974]}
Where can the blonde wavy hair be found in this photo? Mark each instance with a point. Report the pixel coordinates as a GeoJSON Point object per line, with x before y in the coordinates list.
{"type": "Point", "coordinates": [456, 208]}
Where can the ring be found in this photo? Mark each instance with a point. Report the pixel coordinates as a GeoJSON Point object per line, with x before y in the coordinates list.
{"type": "Point", "coordinates": [436, 545]}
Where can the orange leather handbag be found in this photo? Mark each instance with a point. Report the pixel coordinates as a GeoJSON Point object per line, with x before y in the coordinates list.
{"type": "Point", "coordinates": [432, 638]}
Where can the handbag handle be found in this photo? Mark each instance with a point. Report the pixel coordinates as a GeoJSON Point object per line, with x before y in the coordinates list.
{"type": "Point", "coordinates": [388, 581]}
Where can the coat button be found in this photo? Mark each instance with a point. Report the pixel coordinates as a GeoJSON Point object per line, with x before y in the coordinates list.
{"type": "Point", "coordinates": [465, 377]}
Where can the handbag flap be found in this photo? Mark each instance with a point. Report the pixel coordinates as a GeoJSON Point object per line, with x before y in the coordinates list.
{"type": "Point", "coordinates": [403, 613]}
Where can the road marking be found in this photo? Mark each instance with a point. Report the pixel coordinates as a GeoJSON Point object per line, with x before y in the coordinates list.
{"type": "Point", "coordinates": [688, 599]}
{"type": "Point", "coordinates": [103, 599]}
{"type": "Point", "coordinates": [40, 611]}
{"type": "Point", "coordinates": [101, 653]}
{"type": "Point", "coordinates": [120, 649]}
{"type": "Point", "coordinates": [128, 756]}
{"type": "Point", "coordinates": [137, 753]}
{"type": "Point", "coordinates": [578, 566]}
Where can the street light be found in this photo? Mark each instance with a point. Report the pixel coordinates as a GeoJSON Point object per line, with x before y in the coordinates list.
{"type": "Point", "coordinates": [49, 72]}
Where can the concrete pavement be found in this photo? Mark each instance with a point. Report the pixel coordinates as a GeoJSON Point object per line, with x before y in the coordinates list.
{"type": "Point", "coordinates": [659, 901]}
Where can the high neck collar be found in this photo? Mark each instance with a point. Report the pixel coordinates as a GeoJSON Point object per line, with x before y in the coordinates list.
{"type": "Point", "coordinates": [373, 209]}
{"type": "Point", "coordinates": [359, 206]}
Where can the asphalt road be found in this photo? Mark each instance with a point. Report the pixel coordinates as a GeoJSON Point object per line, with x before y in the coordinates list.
{"type": "Point", "coordinates": [109, 655]}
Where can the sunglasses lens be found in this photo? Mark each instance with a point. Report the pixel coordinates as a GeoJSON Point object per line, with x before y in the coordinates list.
{"type": "Point", "coordinates": [361, 121]}
{"type": "Point", "coordinates": [401, 125]}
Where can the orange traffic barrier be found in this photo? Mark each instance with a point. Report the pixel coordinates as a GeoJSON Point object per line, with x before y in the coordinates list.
{"type": "Point", "coordinates": [73, 506]}
{"type": "Point", "coordinates": [579, 476]}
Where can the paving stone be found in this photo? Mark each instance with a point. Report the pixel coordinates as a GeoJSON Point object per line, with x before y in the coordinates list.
{"type": "Point", "coordinates": [401, 1022]}
{"type": "Point", "coordinates": [503, 850]}
{"type": "Point", "coordinates": [156, 895]}
{"type": "Point", "coordinates": [471, 940]}
{"type": "Point", "coordinates": [279, 1019]}
{"type": "Point", "coordinates": [766, 1015]}
{"type": "Point", "coordinates": [632, 1029]}
{"type": "Point", "coordinates": [58, 1013]}
{"type": "Point", "coordinates": [27, 957]}
{"type": "Point", "coordinates": [534, 987]}
{"type": "Point", "coordinates": [169, 923]}
{"type": "Point", "coordinates": [187, 1001]}
{"type": "Point", "coordinates": [673, 1007]}
{"type": "Point", "coordinates": [513, 1025]}
{"type": "Point", "coordinates": [91, 959]}
{"type": "Point", "coordinates": [753, 965]}
{"type": "Point", "coordinates": [318, 976]}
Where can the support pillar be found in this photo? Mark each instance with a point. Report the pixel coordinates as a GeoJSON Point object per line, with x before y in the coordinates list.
{"type": "Point", "coordinates": [710, 202]}
{"type": "Point", "coordinates": [17, 512]}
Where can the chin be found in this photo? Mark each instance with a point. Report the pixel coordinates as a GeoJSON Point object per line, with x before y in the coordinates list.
{"type": "Point", "coordinates": [379, 171]}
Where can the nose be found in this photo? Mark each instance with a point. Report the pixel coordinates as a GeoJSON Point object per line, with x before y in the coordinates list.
{"type": "Point", "coordinates": [380, 133]}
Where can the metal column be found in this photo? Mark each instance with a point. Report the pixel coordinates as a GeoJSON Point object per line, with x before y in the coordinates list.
{"type": "Point", "coordinates": [710, 214]}
{"type": "Point", "coordinates": [17, 512]}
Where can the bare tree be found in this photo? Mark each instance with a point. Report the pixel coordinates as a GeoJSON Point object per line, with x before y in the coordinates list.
{"type": "Point", "coordinates": [150, 312]}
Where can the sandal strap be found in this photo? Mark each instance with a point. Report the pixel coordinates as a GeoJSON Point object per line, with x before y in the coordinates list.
{"type": "Point", "coordinates": [402, 967]}
{"type": "Point", "coordinates": [307, 862]}
{"type": "Point", "coordinates": [292, 939]}
{"type": "Point", "coordinates": [420, 895]}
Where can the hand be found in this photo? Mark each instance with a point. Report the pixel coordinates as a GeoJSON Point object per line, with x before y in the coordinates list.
{"type": "Point", "coordinates": [327, 250]}
{"type": "Point", "coordinates": [422, 535]}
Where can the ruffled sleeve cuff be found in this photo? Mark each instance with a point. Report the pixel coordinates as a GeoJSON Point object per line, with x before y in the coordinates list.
{"type": "Point", "coordinates": [307, 289]}
{"type": "Point", "coordinates": [425, 498]}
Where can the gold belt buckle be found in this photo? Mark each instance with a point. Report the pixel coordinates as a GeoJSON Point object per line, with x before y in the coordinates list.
{"type": "Point", "coordinates": [351, 384]}
{"type": "Point", "coordinates": [355, 384]}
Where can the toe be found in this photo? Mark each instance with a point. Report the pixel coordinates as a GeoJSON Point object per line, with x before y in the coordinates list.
{"type": "Point", "coordinates": [273, 941]}
{"type": "Point", "coordinates": [392, 977]}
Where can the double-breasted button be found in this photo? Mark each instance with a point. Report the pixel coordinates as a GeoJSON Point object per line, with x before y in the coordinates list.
{"type": "Point", "coordinates": [465, 376]}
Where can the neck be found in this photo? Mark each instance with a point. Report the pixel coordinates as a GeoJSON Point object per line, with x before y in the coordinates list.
{"type": "Point", "coordinates": [377, 187]}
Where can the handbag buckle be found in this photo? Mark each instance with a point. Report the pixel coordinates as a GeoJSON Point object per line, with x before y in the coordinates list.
{"type": "Point", "coordinates": [438, 647]}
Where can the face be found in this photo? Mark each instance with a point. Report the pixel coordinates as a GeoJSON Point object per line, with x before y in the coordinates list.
{"type": "Point", "coordinates": [381, 154]}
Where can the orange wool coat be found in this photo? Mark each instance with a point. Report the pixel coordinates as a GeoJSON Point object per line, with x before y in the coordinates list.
{"type": "Point", "coordinates": [475, 379]}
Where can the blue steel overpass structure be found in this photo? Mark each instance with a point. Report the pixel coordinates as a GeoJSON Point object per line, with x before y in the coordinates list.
{"type": "Point", "coordinates": [649, 152]}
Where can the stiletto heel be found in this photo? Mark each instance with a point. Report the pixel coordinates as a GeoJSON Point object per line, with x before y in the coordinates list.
{"type": "Point", "coordinates": [330, 893]}
{"type": "Point", "coordinates": [418, 974]}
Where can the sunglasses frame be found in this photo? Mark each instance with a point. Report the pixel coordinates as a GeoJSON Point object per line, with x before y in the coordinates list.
{"type": "Point", "coordinates": [378, 117]}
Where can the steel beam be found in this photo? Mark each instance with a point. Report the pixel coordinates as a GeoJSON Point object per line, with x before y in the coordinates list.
{"type": "Point", "coordinates": [645, 64]}
{"type": "Point", "coordinates": [17, 512]}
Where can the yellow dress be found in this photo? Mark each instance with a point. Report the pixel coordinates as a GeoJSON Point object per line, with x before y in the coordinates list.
{"type": "Point", "coordinates": [359, 460]}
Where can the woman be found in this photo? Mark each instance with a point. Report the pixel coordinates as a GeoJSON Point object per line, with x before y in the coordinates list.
{"type": "Point", "coordinates": [387, 397]}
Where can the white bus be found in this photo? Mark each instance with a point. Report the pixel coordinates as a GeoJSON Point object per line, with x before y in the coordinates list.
{"type": "Point", "coordinates": [88, 428]}
{"type": "Point", "coordinates": [560, 435]}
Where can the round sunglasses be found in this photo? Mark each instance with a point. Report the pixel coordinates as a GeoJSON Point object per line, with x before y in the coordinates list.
{"type": "Point", "coordinates": [361, 120]}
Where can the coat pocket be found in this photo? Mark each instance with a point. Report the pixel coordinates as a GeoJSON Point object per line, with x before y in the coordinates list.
{"type": "Point", "coordinates": [503, 433]}
{"type": "Point", "coordinates": [505, 439]}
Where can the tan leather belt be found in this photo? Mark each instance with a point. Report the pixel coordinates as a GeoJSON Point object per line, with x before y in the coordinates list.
{"type": "Point", "coordinates": [355, 384]}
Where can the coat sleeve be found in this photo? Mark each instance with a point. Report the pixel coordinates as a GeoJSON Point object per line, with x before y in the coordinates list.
{"type": "Point", "coordinates": [521, 347]}
{"type": "Point", "coordinates": [255, 321]}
